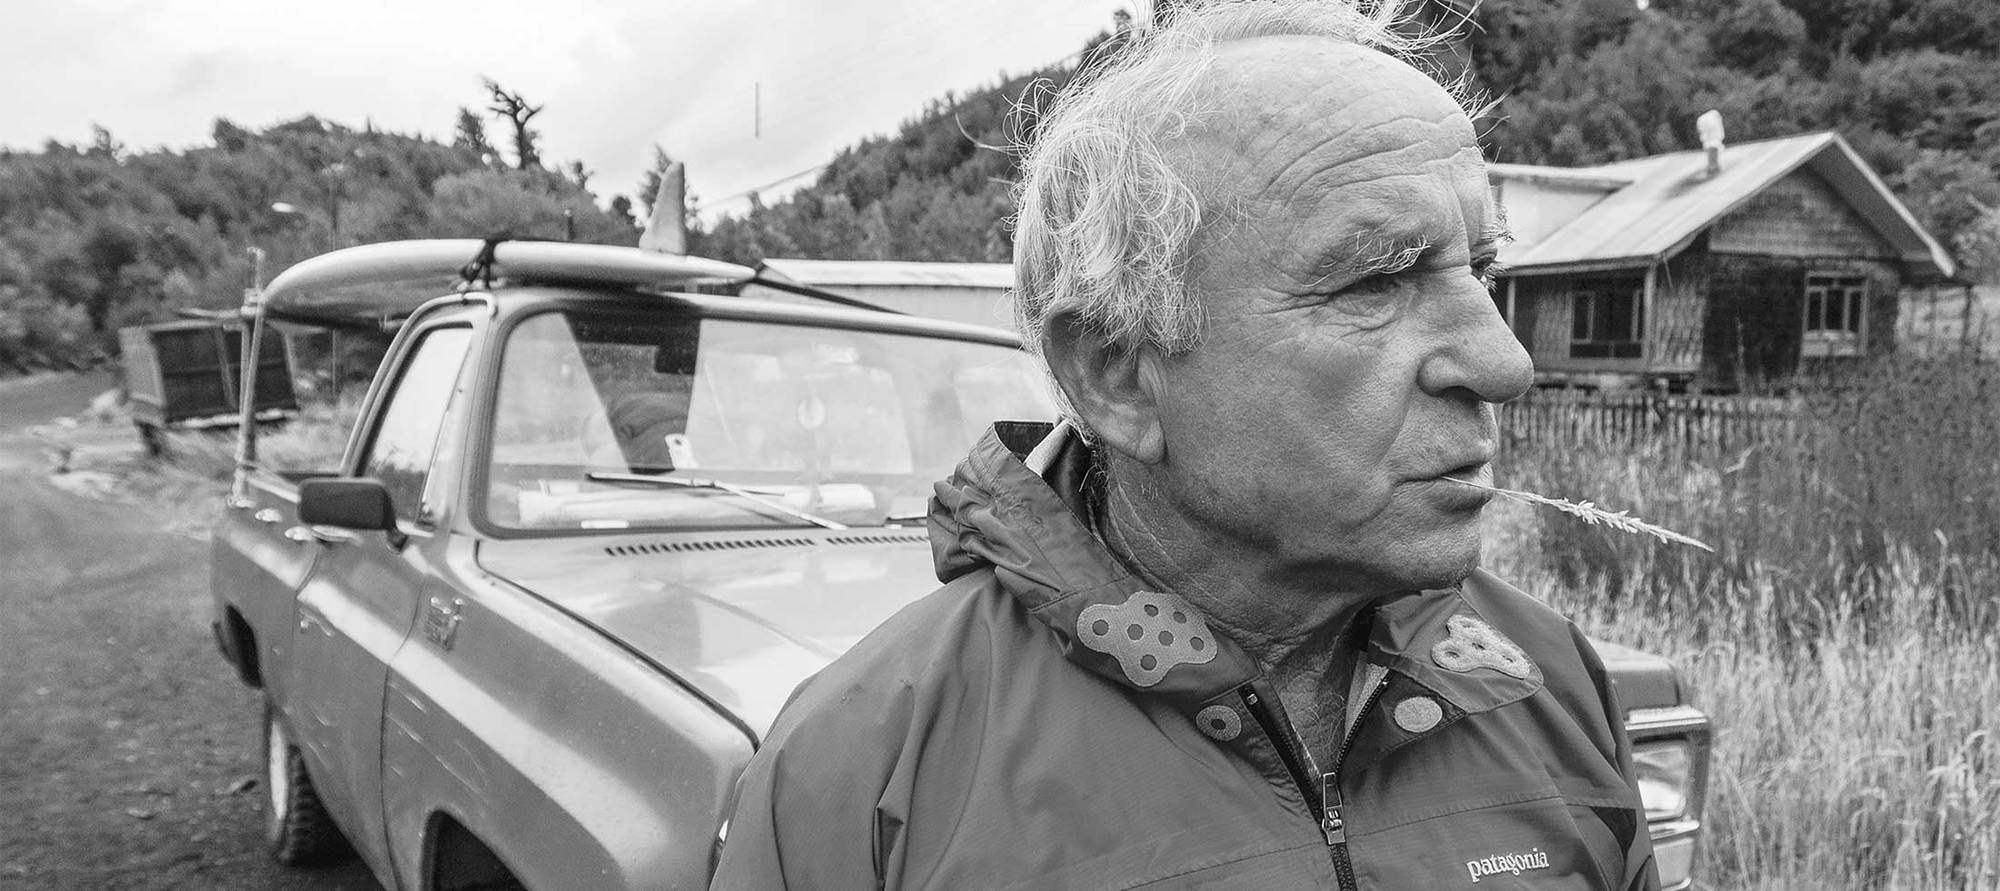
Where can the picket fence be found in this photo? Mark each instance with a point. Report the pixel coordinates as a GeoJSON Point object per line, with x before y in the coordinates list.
{"type": "Point", "coordinates": [1554, 418]}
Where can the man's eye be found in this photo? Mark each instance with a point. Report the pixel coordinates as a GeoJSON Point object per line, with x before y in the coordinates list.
{"type": "Point", "coordinates": [1374, 284]}
{"type": "Point", "coordinates": [1488, 271]}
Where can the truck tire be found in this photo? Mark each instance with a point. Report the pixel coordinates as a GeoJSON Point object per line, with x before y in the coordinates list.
{"type": "Point", "coordinates": [296, 825]}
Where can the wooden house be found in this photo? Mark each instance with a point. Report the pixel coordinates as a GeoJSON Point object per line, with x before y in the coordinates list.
{"type": "Point", "coordinates": [1707, 271]}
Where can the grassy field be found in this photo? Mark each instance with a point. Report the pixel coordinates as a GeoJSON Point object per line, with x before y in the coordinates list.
{"type": "Point", "coordinates": [1844, 637]}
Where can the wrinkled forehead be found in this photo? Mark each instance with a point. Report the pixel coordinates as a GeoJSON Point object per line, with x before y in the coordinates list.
{"type": "Point", "coordinates": [1278, 110]}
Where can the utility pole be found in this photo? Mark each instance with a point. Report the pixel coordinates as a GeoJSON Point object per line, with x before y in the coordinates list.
{"type": "Point", "coordinates": [757, 109]}
{"type": "Point", "coordinates": [333, 174]}
{"type": "Point", "coordinates": [256, 268]}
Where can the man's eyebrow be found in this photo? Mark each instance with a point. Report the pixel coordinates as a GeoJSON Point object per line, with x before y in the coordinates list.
{"type": "Point", "coordinates": [1373, 253]}
{"type": "Point", "coordinates": [1380, 253]}
{"type": "Point", "coordinates": [1386, 253]}
{"type": "Point", "coordinates": [1497, 232]}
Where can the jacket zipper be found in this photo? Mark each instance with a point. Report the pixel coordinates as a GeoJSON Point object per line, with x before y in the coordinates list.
{"type": "Point", "coordinates": [1297, 760]}
{"type": "Point", "coordinates": [1332, 822]}
{"type": "Point", "coordinates": [1322, 796]}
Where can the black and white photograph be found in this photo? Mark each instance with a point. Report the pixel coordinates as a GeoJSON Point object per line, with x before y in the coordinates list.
{"type": "Point", "coordinates": [1358, 445]}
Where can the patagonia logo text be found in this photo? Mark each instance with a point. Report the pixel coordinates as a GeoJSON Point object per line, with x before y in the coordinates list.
{"type": "Point", "coordinates": [1509, 864]}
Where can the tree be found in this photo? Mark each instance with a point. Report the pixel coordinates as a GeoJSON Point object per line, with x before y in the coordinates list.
{"type": "Point", "coordinates": [649, 182]}
{"type": "Point", "coordinates": [229, 137]}
{"type": "Point", "coordinates": [520, 204]}
{"type": "Point", "coordinates": [517, 112]}
{"type": "Point", "coordinates": [1978, 245]}
{"type": "Point", "coordinates": [1623, 99]}
{"type": "Point", "coordinates": [104, 145]}
{"type": "Point", "coordinates": [470, 135]}
{"type": "Point", "coordinates": [621, 210]}
{"type": "Point", "coordinates": [1758, 37]}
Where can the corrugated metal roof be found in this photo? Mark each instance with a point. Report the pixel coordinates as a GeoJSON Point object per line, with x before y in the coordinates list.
{"type": "Point", "coordinates": [1666, 200]}
{"type": "Point", "coordinates": [893, 273]}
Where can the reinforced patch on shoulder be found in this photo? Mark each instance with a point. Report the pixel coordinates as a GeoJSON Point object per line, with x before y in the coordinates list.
{"type": "Point", "coordinates": [1149, 634]}
{"type": "Point", "coordinates": [1475, 644]}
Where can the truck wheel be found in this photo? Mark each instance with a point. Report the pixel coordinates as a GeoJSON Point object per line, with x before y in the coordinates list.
{"type": "Point", "coordinates": [296, 825]}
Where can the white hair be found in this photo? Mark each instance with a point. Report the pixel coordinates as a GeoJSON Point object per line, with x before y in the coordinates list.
{"type": "Point", "coordinates": [1103, 220]}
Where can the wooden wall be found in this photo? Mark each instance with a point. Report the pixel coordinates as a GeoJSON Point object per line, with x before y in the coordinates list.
{"type": "Point", "coordinates": [1544, 304]}
{"type": "Point", "coordinates": [1798, 216]}
{"type": "Point", "coordinates": [1756, 314]}
{"type": "Point", "coordinates": [1680, 304]}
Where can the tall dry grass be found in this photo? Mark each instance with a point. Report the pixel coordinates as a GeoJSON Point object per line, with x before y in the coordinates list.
{"type": "Point", "coordinates": [311, 441]}
{"type": "Point", "coordinates": [1844, 639]}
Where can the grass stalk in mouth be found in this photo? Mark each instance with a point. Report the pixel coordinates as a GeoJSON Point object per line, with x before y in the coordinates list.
{"type": "Point", "coordinates": [1590, 513]}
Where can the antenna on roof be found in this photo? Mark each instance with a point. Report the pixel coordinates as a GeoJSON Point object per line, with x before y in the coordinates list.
{"type": "Point", "coordinates": [1709, 126]}
{"type": "Point", "coordinates": [666, 230]}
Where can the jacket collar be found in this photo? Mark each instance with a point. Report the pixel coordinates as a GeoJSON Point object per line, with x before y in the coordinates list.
{"type": "Point", "coordinates": [1017, 504]}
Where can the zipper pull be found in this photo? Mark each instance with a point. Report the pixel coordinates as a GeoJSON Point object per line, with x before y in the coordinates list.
{"type": "Point", "coordinates": [1330, 821]}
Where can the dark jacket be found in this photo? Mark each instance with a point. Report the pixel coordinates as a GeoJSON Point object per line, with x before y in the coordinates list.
{"type": "Point", "coordinates": [1041, 721]}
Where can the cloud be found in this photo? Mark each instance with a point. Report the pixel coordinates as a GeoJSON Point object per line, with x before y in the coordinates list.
{"type": "Point", "coordinates": [199, 74]}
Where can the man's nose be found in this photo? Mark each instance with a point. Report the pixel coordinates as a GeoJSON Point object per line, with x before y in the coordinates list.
{"type": "Point", "coordinates": [1475, 352]}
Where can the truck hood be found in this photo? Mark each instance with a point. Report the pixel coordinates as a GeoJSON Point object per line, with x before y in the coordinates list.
{"type": "Point", "coordinates": [745, 617]}
{"type": "Point", "coordinates": [741, 617]}
{"type": "Point", "coordinates": [1642, 679]}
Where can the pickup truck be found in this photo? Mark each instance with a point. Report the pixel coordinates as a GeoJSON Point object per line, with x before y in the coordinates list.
{"type": "Point", "coordinates": [500, 646]}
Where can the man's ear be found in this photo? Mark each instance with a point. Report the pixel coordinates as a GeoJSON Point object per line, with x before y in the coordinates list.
{"type": "Point", "coordinates": [1115, 389]}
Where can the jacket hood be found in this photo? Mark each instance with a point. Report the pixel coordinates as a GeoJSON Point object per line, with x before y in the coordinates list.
{"type": "Point", "coordinates": [743, 617]}
{"type": "Point", "coordinates": [1028, 523]}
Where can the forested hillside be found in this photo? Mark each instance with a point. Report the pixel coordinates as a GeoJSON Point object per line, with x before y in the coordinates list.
{"type": "Point", "coordinates": [96, 237]}
{"type": "Point", "coordinates": [937, 190]}
{"type": "Point", "coordinates": [93, 237]}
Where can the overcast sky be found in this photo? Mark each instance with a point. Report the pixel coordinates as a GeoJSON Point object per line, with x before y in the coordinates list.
{"type": "Point", "coordinates": [616, 78]}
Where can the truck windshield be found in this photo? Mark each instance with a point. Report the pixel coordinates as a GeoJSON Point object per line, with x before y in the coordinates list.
{"type": "Point", "coordinates": [850, 427]}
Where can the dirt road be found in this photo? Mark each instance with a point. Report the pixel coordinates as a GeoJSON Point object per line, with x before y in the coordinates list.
{"type": "Point", "coordinates": [128, 751]}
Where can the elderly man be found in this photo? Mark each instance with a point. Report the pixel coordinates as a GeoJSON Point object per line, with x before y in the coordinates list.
{"type": "Point", "coordinates": [1223, 627]}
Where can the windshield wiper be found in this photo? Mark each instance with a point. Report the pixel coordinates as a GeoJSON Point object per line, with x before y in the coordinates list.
{"type": "Point", "coordinates": [713, 485]}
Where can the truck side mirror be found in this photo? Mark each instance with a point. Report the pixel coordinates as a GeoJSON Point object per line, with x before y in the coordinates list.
{"type": "Point", "coordinates": [353, 503]}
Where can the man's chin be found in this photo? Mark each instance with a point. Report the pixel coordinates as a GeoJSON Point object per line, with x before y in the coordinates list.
{"type": "Point", "coordinates": [1441, 564]}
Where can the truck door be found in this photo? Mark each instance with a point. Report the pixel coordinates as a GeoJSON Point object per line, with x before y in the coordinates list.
{"type": "Point", "coordinates": [257, 562]}
{"type": "Point", "coordinates": [360, 600]}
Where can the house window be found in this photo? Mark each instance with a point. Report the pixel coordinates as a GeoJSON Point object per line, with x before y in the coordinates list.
{"type": "Point", "coordinates": [1607, 319]}
{"type": "Point", "coordinates": [1835, 308]}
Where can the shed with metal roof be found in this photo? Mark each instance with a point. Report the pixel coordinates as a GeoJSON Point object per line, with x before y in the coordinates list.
{"type": "Point", "coordinates": [1717, 272]}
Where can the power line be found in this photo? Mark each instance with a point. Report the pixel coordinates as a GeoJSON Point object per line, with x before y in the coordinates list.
{"type": "Point", "coordinates": [772, 184]}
